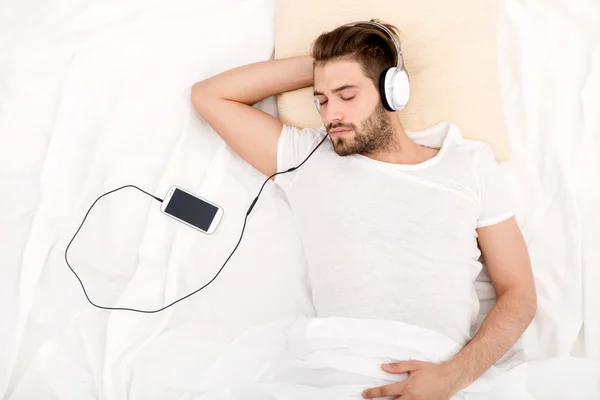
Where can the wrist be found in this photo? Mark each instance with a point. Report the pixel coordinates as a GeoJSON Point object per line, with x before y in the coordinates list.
{"type": "Point", "coordinates": [456, 372]}
{"type": "Point", "coordinates": [306, 70]}
{"type": "Point", "coordinates": [295, 72]}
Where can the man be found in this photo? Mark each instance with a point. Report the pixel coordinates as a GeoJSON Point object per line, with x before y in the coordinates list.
{"type": "Point", "coordinates": [393, 222]}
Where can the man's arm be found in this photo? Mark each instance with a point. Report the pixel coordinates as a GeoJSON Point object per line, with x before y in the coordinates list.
{"type": "Point", "coordinates": [225, 102]}
{"type": "Point", "coordinates": [507, 260]}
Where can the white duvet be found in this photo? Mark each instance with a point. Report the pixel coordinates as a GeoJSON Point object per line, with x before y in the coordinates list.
{"type": "Point", "coordinates": [95, 95]}
{"type": "Point", "coordinates": [292, 359]}
{"type": "Point", "coordinates": [337, 358]}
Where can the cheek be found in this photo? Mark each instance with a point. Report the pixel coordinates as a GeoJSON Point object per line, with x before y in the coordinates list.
{"type": "Point", "coordinates": [364, 112]}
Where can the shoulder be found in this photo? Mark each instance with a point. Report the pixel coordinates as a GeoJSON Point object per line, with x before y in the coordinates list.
{"type": "Point", "coordinates": [306, 132]}
{"type": "Point", "coordinates": [295, 142]}
{"type": "Point", "coordinates": [294, 146]}
{"type": "Point", "coordinates": [477, 151]}
{"type": "Point", "coordinates": [472, 162]}
{"type": "Point", "coordinates": [474, 153]}
{"type": "Point", "coordinates": [466, 154]}
{"type": "Point", "coordinates": [487, 174]}
{"type": "Point", "coordinates": [448, 137]}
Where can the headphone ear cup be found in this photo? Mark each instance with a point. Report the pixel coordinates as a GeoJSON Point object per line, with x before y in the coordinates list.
{"type": "Point", "coordinates": [385, 75]}
{"type": "Point", "coordinates": [317, 104]}
{"type": "Point", "coordinates": [400, 89]}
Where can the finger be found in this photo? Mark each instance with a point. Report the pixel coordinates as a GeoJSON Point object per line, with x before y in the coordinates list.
{"type": "Point", "coordinates": [393, 389]}
{"type": "Point", "coordinates": [403, 367]}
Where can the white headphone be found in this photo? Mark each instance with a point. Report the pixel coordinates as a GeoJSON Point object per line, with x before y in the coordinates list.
{"type": "Point", "coordinates": [394, 88]}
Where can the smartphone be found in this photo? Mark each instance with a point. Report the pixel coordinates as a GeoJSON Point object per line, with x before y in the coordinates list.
{"type": "Point", "coordinates": [192, 210]}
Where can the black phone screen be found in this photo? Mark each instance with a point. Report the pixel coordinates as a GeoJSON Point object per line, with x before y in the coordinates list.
{"type": "Point", "coordinates": [191, 209]}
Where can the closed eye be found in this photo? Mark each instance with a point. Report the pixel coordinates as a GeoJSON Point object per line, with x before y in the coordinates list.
{"type": "Point", "coordinates": [343, 98]}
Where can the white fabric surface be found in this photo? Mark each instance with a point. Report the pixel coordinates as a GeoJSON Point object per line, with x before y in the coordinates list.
{"type": "Point", "coordinates": [549, 63]}
{"type": "Point", "coordinates": [97, 95]}
{"type": "Point", "coordinates": [94, 95]}
{"type": "Point", "coordinates": [338, 358]}
{"type": "Point", "coordinates": [395, 242]}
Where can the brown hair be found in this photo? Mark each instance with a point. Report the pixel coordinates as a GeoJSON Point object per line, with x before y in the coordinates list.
{"type": "Point", "coordinates": [367, 44]}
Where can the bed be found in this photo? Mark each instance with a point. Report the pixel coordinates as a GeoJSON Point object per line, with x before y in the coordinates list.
{"type": "Point", "coordinates": [96, 95]}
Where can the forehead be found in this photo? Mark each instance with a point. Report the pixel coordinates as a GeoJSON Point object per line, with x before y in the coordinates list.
{"type": "Point", "coordinates": [334, 74]}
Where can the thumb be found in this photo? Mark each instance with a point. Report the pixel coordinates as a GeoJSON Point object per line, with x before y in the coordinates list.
{"type": "Point", "coordinates": [403, 367]}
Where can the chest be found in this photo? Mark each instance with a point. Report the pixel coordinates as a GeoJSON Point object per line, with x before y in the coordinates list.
{"type": "Point", "coordinates": [348, 204]}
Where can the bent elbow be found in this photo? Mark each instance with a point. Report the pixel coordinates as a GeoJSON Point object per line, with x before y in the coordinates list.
{"type": "Point", "coordinates": [197, 94]}
{"type": "Point", "coordinates": [534, 306]}
{"type": "Point", "coordinates": [531, 306]}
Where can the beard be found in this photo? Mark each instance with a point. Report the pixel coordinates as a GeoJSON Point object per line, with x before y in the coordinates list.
{"type": "Point", "coordinates": [376, 133]}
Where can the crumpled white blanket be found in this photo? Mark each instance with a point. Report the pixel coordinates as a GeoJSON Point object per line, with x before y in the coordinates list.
{"type": "Point", "coordinates": [337, 358]}
{"type": "Point", "coordinates": [288, 359]}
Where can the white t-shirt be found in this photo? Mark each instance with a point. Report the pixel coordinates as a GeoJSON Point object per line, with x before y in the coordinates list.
{"type": "Point", "coordinates": [391, 241]}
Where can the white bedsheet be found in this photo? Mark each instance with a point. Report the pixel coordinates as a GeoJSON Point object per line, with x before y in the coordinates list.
{"type": "Point", "coordinates": [550, 75]}
{"type": "Point", "coordinates": [96, 95]}
{"type": "Point", "coordinates": [290, 359]}
{"type": "Point", "coordinates": [338, 358]}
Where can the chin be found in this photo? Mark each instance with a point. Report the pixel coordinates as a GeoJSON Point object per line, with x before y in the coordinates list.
{"type": "Point", "coordinates": [342, 148]}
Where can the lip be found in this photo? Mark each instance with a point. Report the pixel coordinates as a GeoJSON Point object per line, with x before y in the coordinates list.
{"type": "Point", "coordinates": [339, 131]}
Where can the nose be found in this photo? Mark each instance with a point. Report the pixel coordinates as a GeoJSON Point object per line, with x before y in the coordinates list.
{"type": "Point", "coordinates": [332, 112]}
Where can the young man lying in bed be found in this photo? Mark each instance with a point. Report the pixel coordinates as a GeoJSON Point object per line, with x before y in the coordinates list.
{"type": "Point", "coordinates": [393, 222]}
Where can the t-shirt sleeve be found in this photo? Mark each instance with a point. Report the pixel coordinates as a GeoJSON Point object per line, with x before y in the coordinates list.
{"type": "Point", "coordinates": [495, 192]}
{"type": "Point", "coordinates": [294, 145]}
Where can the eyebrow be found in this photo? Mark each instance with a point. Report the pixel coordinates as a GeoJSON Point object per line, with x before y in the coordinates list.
{"type": "Point", "coordinates": [315, 93]}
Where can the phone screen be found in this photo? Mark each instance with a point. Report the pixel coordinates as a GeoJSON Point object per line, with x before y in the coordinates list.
{"type": "Point", "coordinates": [191, 209]}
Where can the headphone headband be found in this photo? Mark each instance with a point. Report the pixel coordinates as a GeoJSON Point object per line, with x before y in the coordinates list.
{"type": "Point", "coordinates": [389, 33]}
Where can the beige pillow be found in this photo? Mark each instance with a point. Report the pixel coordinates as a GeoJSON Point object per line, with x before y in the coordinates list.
{"type": "Point", "coordinates": [450, 54]}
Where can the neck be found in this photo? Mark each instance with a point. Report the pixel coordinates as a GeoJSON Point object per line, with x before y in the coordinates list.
{"type": "Point", "coordinates": [403, 150]}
